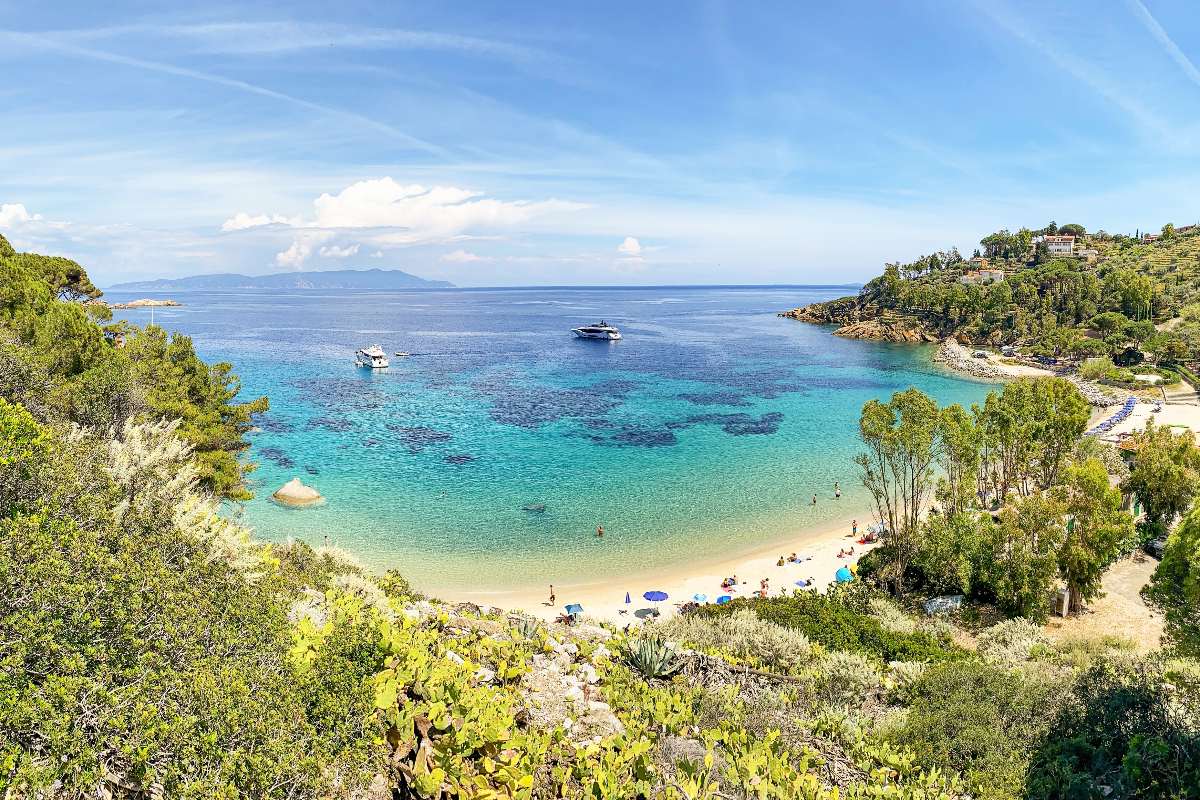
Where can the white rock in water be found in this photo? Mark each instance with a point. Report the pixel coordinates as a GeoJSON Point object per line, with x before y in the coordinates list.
{"type": "Point", "coordinates": [295, 493]}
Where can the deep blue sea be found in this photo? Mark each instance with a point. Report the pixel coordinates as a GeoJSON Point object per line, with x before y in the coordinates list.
{"type": "Point", "coordinates": [703, 433]}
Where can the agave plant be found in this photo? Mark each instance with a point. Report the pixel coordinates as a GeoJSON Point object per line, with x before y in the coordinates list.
{"type": "Point", "coordinates": [527, 628]}
{"type": "Point", "coordinates": [654, 658]}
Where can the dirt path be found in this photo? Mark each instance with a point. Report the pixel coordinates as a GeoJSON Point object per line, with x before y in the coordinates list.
{"type": "Point", "coordinates": [1121, 612]}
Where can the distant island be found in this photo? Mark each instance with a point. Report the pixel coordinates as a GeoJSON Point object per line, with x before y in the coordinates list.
{"type": "Point", "coordinates": [145, 303]}
{"type": "Point", "coordinates": [377, 279]}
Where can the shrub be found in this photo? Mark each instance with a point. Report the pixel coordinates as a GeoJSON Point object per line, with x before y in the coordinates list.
{"type": "Point", "coordinates": [1011, 641]}
{"type": "Point", "coordinates": [982, 719]}
{"type": "Point", "coordinates": [741, 634]}
{"type": "Point", "coordinates": [902, 678]}
{"type": "Point", "coordinates": [846, 677]}
{"type": "Point", "coordinates": [1126, 728]}
{"type": "Point", "coordinates": [653, 658]}
{"type": "Point", "coordinates": [837, 621]}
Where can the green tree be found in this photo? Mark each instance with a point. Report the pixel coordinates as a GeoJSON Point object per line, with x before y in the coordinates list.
{"type": "Point", "coordinates": [1096, 526]}
{"type": "Point", "coordinates": [1175, 587]}
{"type": "Point", "coordinates": [1166, 471]}
{"type": "Point", "coordinates": [902, 445]}
{"type": "Point", "coordinates": [1020, 559]}
{"type": "Point", "coordinates": [949, 552]}
{"type": "Point", "coordinates": [959, 458]}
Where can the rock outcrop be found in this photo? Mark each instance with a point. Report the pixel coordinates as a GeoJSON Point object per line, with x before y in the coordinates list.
{"type": "Point", "coordinates": [147, 303]}
{"type": "Point", "coordinates": [863, 322]}
{"type": "Point", "coordinates": [296, 494]}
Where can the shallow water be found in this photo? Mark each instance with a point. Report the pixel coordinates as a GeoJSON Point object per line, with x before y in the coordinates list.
{"type": "Point", "coordinates": [704, 432]}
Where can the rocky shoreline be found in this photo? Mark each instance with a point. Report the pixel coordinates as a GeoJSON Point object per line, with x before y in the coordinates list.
{"type": "Point", "coordinates": [958, 358]}
{"type": "Point", "coordinates": [856, 324]}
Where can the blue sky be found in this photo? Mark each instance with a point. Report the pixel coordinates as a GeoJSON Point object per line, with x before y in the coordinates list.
{"type": "Point", "coordinates": [586, 143]}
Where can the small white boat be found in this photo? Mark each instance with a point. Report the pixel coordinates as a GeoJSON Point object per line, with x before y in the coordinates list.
{"type": "Point", "coordinates": [601, 330]}
{"type": "Point", "coordinates": [371, 357]}
{"type": "Point", "coordinates": [402, 354]}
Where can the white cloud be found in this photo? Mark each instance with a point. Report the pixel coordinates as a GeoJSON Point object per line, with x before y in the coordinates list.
{"type": "Point", "coordinates": [463, 257]}
{"type": "Point", "coordinates": [14, 214]}
{"type": "Point", "coordinates": [333, 251]}
{"type": "Point", "coordinates": [242, 221]}
{"type": "Point", "coordinates": [630, 248]}
{"type": "Point", "coordinates": [400, 214]}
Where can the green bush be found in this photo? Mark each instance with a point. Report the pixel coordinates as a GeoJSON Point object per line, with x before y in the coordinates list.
{"type": "Point", "coordinates": [840, 621]}
{"type": "Point", "coordinates": [984, 720]}
{"type": "Point", "coordinates": [1126, 728]}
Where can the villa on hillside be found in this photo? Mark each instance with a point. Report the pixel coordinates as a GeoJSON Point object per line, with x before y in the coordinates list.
{"type": "Point", "coordinates": [1059, 245]}
{"type": "Point", "coordinates": [1150, 237]}
{"type": "Point", "coordinates": [978, 262]}
{"type": "Point", "coordinates": [1090, 254]}
{"type": "Point", "coordinates": [982, 276]}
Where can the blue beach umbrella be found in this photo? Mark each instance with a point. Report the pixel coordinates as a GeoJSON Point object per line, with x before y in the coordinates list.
{"type": "Point", "coordinates": [628, 600]}
{"type": "Point", "coordinates": [655, 596]}
{"type": "Point", "coordinates": [843, 575]}
{"type": "Point", "coordinates": [700, 598]}
{"type": "Point", "coordinates": [802, 583]}
{"type": "Point", "coordinates": [574, 608]}
{"type": "Point", "coordinates": [723, 599]}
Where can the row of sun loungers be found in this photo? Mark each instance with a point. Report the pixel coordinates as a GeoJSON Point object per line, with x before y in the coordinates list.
{"type": "Point", "coordinates": [1115, 419]}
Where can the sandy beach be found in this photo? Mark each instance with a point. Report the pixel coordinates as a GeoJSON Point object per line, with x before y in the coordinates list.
{"type": "Point", "coordinates": [817, 546]}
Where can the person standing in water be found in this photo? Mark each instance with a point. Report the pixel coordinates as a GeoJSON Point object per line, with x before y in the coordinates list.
{"type": "Point", "coordinates": [837, 490]}
{"type": "Point", "coordinates": [814, 502]}
{"type": "Point", "coordinates": [599, 531]}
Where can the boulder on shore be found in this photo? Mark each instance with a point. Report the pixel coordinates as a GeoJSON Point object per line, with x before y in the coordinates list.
{"type": "Point", "coordinates": [296, 494]}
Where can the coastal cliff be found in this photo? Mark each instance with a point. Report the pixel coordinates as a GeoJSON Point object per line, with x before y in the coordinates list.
{"type": "Point", "coordinates": [856, 321]}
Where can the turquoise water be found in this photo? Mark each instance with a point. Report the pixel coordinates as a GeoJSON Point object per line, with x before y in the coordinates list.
{"type": "Point", "coordinates": [703, 433]}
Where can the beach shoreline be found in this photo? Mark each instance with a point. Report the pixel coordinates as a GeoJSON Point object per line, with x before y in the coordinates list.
{"type": "Point", "coordinates": [604, 598]}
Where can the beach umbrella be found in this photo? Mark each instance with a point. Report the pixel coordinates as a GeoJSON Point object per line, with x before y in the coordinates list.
{"type": "Point", "coordinates": [655, 596]}
{"type": "Point", "coordinates": [700, 598]}
{"type": "Point", "coordinates": [627, 599]}
{"type": "Point", "coordinates": [802, 583]}
{"type": "Point", "coordinates": [574, 608]}
{"type": "Point", "coordinates": [843, 575]}
{"type": "Point", "coordinates": [723, 599]}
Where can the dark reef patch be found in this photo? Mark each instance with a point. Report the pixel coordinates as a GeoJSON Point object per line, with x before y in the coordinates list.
{"type": "Point", "coordinates": [335, 424]}
{"type": "Point", "coordinates": [734, 424]}
{"type": "Point", "coordinates": [644, 437]}
{"type": "Point", "coordinates": [273, 424]}
{"type": "Point", "coordinates": [278, 456]}
{"type": "Point", "coordinates": [418, 438]}
{"type": "Point", "coordinates": [464, 458]}
{"type": "Point", "coordinates": [714, 398]}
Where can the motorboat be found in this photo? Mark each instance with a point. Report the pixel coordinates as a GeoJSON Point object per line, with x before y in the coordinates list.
{"type": "Point", "coordinates": [402, 354]}
{"type": "Point", "coordinates": [371, 357]}
{"type": "Point", "coordinates": [601, 330]}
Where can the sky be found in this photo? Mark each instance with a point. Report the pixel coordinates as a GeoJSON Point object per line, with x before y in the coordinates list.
{"type": "Point", "coordinates": [515, 143]}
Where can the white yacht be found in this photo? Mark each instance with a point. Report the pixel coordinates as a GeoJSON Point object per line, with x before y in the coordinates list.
{"type": "Point", "coordinates": [601, 330]}
{"type": "Point", "coordinates": [371, 357]}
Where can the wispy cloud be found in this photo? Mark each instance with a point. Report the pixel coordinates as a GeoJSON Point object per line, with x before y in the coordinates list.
{"type": "Point", "coordinates": [1086, 73]}
{"type": "Point", "coordinates": [49, 43]}
{"type": "Point", "coordinates": [1157, 31]}
{"type": "Point", "coordinates": [278, 37]}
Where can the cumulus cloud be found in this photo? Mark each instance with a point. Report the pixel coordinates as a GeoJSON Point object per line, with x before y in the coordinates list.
{"type": "Point", "coordinates": [463, 257]}
{"type": "Point", "coordinates": [333, 251]}
{"type": "Point", "coordinates": [630, 248]}
{"type": "Point", "coordinates": [15, 214]}
{"type": "Point", "coordinates": [402, 214]}
{"type": "Point", "coordinates": [242, 221]}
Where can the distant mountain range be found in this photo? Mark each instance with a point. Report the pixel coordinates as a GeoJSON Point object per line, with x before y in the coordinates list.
{"type": "Point", "coordinates": [378, 279]}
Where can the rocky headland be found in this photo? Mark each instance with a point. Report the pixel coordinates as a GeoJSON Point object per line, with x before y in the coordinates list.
{"type": "Point", "coordinates": [147, 303]}
{"type": "Point", "coordinates": [856, 322]}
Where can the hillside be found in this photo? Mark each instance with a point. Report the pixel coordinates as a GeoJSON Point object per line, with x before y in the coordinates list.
{"type": "Point", "coordinates": [382, 280]}
{"type": "Point", "coordinates": [1120, 293]}
{"type": "Point", "coordinates": [154, 649]}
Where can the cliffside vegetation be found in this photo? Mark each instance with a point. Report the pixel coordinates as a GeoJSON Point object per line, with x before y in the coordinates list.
{"type": "Point", "coordinates": [150, 648]}
{"type": "Point", "coordinates": [1127, 293]}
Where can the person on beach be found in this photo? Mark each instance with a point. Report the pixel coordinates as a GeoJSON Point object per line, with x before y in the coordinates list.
{"type": "Point", "coordinates": [599, 531]}
{"type": "Point", "coordinates": [814, 502]}
{"type": "Point", "coordinates": [551, 594]}
{"type": "Point", "coordinates": [792, 558]}
{"type": "Point", "coordinates": [780, 562]}
{"type": "Point", "coordinates": [854, 528]}
{"type": "Point", "coordinates": [837, 490]}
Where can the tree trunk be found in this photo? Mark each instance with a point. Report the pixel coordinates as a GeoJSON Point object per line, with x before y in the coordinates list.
{"type": "Point", "coordinates": [1074, 600]}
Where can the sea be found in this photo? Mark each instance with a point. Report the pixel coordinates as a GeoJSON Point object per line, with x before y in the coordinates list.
{"type": "Point", "coordinates": [486, 459]}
